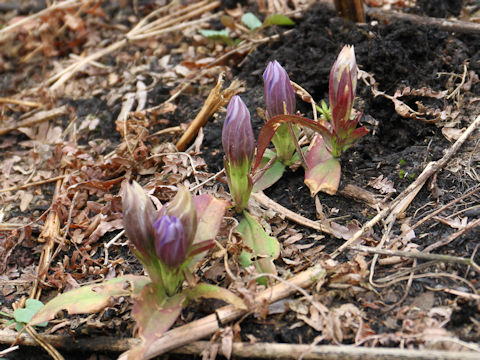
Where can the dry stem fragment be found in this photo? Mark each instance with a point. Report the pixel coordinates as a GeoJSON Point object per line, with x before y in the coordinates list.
{"type": "Point", "coordinates": [208, 325]}
{"type": "Point", "coordinates": [39, 117]}
{"type": "Point", "coordinates": [215, 100]}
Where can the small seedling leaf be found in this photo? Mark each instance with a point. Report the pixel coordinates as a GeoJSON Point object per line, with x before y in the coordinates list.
{"type": "Point", "coordinates": [221, 35]}
{"type": "Point", "coordinates": [24, 315]}
{"type": "Point", "coordinates": [251, 21]}
{"type": "Point", "coordinates": [279, 19]}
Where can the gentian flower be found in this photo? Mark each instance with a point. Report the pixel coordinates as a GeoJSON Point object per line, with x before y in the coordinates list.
{"type": "Point", "coordinates": [280, 100]}
{"type": "Point", "coordinates": [175, 229]}
{"type": "Point", "coordinates": [343, 74]}
{"type": "Point", "coordinates": [342, 90]}
{"type": "Point", "coordinates": [171, 244]}
{"type": "Point", "coordinates": [277, 90]}
{"type": "Point", "coordinates": [237, 133]}
{"type": "Point", "coordinates": [139, 215]}
{"type": "Point", "coordinates": [162, 240]}
{"type": "Point", "coordinates": [239, 147]}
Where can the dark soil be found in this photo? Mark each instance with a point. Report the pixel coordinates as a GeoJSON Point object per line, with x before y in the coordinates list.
{"type": "Point", "coordinates": [399, 54]}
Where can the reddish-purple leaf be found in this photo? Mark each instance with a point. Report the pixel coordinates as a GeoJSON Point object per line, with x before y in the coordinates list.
{"type": "Point", "coordinates": [324, 170]}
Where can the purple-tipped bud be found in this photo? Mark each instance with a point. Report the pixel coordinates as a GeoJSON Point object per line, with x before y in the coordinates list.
{"type": "Point", "coordinates": [182, 207]}
{"type": "Point", "coordinates": [277, 90]}
{"type": "Point", "coordinates": [237, 134]}
{"type": "Point", "coordinates": [343, 83]}
{"type": "Point", "coordinates": [171, 244]}
{"type": "Point", "coordinates": [139, 215]}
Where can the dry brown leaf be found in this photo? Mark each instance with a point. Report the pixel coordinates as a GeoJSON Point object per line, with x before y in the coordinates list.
{"type": "Point", "coordinates": [383, 184]}
{"type": "Point", "coordinates": [26, 198]}
{"type": "Point", "coordinates": [103, 228]}
{"type": "Point", "coordinates": [456, 223]}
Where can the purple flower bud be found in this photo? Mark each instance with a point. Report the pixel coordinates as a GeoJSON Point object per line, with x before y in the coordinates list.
{"type": "Point", "coordinates": [277, 90]}
{"type": "Point", "coordinates": [171, 244]}
{"type": "Point", "coordinates": [139, 215]}
{"type": "Point", "coordinates": [237, 134]}
{"type": "Point", "coordinates": [182, 207]}
{"type": "Point", "coordinates": [342, 85]}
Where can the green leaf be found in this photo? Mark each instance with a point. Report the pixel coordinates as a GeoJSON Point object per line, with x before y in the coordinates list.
{"type": "Point", "coordinates": [214, 292]}
{"type": "Point", "coordinates": [222, 35]}
{"type": "Point", "coordinates": [271, 175]}
{"type": "Point", "coordinates": [270, 127]}
{"type": "Point", "coordinates": [324, 170]}
{"type": "Point", "coordinates": [251, 21]}
{"type": "Point", "coordinates": [279, 19]}
{"type": "Point", "coordinates": [24, 315]}
{"type": "Point", "coordinates": [154, 314]}
{"type": "Point", "coordinates": [265, 248]}
{"type": "Point", "coordinates": [324, 111]}
{"type": "Point", "coordinates": [284, 144]}
{"type": "Point", "coordinates": [91, 298]}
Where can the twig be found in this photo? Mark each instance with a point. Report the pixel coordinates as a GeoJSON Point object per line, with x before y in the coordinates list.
{"type": "Point", "coordinates": [39, 117]}
{"type": "Point", "coordinates": [429, 275]}
{"type": "Point", "coordinates": [15, 226]}
{"type": "Point", "coordinates": [473, 224]}
{"type": "Point", "coordinates": [8, 350]}
{"type": "Point", "coordinates": [208, 180]}
{"type": "Point", "coordinates": [34, 104]}
{"type": "Point", "coordinates": [48, 236]}
{"type": "Point", "coordinates": [407, 290]}
{"type": "Point", "coordinates": [215, 100]}
{"type": "Point", "coordinates": [249, 350]}
{"type": "Point", "coordinates": [403, 199]}
{"type": "Point", "coordinates": [361, 195]}
{"type": "Point", "coordinates": [265, 201]}
{"type": "Point", "coordinates": [173, 129]}
{"type": "Point", "coordinates": [418, 255]}
{"type": "Point", "coordinates": [59, 6]}
{"type": "Point", "coordinates": [379, 246]}
{"type": "Point", "coordinates": [350, 9]}
{"type": "Point", "coordinates": [35, 183]}
{"type": "Point", "coordinates": [439, 210]}
{"type": "Point", "coordinates": [442, 24]}
{"type": "Point", "coordinates": [208, 325]}
{"type": "Point", "coordinates": [44, 343]}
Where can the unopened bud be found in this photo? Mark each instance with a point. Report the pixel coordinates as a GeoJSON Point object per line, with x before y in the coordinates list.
{"type": "Point", "coordinates": [237, 134]}
{"type": "Point", "coordinates": [343, 84]}
{"type": "Point", "coordinates": [171, 244]}
{"type": "Point", "coordinates": [139, 215]}
{"type": "Point", "coordinates": [278, 92]}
